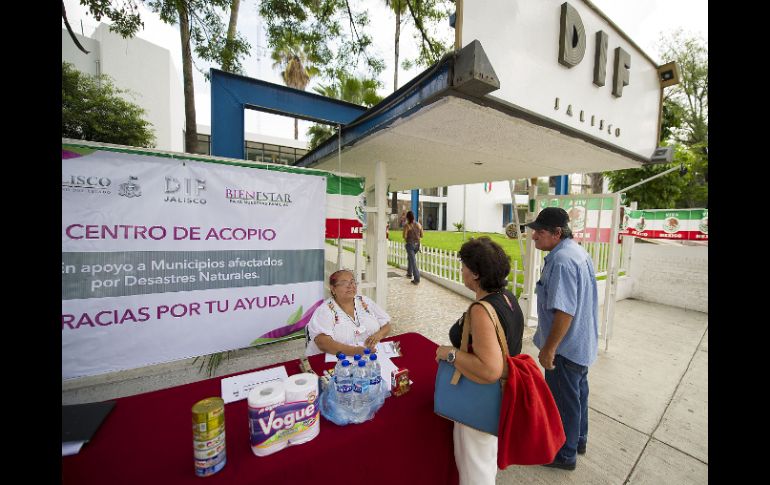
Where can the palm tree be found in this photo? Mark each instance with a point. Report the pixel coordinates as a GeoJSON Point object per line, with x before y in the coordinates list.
{"type": "Point", "coordinates": [360, 91]}
{"type": "Point", "coordinates": [398, 7]}
{"type": "Point", "coordinates": [297, 67]}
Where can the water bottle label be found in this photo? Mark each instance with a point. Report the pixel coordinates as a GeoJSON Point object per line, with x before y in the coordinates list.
{"type": "Point", "coordinates": [374, 381]}
{"type": "Point", "coordinates": [344, 388]}
{"type": "Point", "coordinates": [360, 387]}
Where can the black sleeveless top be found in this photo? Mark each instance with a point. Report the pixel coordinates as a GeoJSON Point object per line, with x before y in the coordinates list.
{"type": "Point", "coordinates": [511, 319]}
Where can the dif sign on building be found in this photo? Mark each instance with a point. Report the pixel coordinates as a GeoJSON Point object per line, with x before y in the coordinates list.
{"type": "Point", "coordinates": [565, 61]}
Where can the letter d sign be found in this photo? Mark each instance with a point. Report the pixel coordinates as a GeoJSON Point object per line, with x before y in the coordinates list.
{"type": "Point", "coordinates": [572, 37]}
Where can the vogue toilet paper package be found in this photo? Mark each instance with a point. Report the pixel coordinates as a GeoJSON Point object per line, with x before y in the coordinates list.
{"type": "Point", "coordinates": [283, 413]}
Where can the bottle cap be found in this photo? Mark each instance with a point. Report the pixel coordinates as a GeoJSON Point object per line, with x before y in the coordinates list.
{"type": "Point", "coordinates": [357, 357]}
{"type": "Point", "coordinates": [361, 363]}
{"type": "Point", "coordinates": [340, 355]}
{"type": "Point", "coordinates": [373, 357]}
{"type": "Point", "coordinates": [345, 363]}
{"type": "Point", "coordinates": [367, 351]}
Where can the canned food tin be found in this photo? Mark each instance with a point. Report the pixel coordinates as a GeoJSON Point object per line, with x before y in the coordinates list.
{"type": "Point", "coordinates": [208, 435]}
{"type": "Point", "coordinates": [205, 472]}
{"type": "Point", "coordinates": [208, 423]}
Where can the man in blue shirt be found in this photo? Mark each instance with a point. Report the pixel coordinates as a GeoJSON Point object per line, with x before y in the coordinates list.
{"type": "Point", "coordinates": [568, 326]}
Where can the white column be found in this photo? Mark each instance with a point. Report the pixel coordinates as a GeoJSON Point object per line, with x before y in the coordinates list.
{"type": "Point", "coordinates": [376, 244]}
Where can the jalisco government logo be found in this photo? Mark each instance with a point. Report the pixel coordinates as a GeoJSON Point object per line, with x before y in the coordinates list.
{"type": "Point", "coordinates": [257, 197]}
{"type": "Point", "coordinates": [131, 188]}
{"type": "Point", "coordinates": [185, 191]}
{"type": "Point", "coordinates": [91, 184]}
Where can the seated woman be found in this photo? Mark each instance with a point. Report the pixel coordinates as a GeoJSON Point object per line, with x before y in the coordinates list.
{"type": "Point", "coordinates": [346, 322]}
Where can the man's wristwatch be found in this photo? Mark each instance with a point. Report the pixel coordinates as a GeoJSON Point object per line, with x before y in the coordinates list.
{"type": "Point", "coordinates": [451, 356]}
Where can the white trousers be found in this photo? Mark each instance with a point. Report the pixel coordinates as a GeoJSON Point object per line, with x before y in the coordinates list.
{"type": "Point", "coordinates": [475, 455]}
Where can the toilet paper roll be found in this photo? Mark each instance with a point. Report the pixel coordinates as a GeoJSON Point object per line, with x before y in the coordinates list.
{"type": "Point", "coordinates": [267, 394]}
{"type": "Point", "coordinates": [302, 389]}
{"type": "Point", "coordinates": [264, 400]}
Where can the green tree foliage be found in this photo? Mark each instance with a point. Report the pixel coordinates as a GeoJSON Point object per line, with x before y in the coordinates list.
{"type": "Point", "coordinates": [333, 34]}
{"type": "Point", "coordinates": [352, 89]}
{"type": "Point", "coordinates": [684, 127]}
{"type": "Point", "coordinates": [335, 31]}
{"type": "Point", "coordinates": [424, 15]}
{"type": "Point", "coordinates": [92, 109]}
{"type": "Point", "coordinates": [201, 29]}
{"type": "Point", "coordinates": [297, 66]}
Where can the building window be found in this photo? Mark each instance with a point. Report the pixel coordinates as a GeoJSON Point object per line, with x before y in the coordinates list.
{"type": "Point", "coordinates": [204, 145]}
{"type": "Point", "coordinates": [254, 151]}
{"type": "Point", "coordinates": [507, 214]}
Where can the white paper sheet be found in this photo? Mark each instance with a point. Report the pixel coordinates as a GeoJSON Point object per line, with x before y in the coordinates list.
{"type": "Point", "coordinates": [237, 387]}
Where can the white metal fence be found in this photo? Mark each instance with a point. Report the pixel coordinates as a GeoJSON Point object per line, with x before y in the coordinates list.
{"type": "Point", "coordinates": [444, 264]}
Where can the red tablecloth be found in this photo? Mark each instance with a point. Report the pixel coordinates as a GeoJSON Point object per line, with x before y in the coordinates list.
{"type": "Point", "coordinates": [147, 438]}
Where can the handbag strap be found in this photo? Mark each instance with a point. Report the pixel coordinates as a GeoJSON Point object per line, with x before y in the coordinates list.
{"type": "Point", "coordinates": [467, 332]}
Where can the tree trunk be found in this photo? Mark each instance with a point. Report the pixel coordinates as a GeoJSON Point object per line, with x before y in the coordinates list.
{"type": "Point", "coordinates": [398, 35]}
{"type": "Point", "coordinates": [596, 183]}
{"type": "Point", "coordinates": [227, 61]}
{"type": "Point", "coordinates": [191, 126]}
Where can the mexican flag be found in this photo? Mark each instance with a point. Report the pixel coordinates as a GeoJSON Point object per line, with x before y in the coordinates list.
{"type": "Point", "coordinates": [345, 217]}
{"type": "Point", "coordinates": [676, 224]}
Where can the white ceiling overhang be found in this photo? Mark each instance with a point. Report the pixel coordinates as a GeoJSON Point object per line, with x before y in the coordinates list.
{"type": "Point", "coordinates": [456, 141]}
{"type": "Point", "coordinates": [443, 128]}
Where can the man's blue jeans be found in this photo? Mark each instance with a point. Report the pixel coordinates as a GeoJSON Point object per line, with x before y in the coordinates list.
{"type": "Point", "coordinates": [411, 265]}
{"type": "Point", "coordinates": [568, 382]}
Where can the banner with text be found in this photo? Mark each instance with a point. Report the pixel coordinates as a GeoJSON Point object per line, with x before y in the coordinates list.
{"type": "Point", "coordinates": [676, 224]}
{"type": "Point", "coordinates": [165, 258]}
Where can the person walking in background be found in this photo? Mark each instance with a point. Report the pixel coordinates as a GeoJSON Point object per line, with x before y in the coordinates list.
{"type": "Point", "coordinates": [402, 220]}
{"type": "Point", "coordinates": [568, 326]}
{"type": "Point", "coordinates": [412, 235]}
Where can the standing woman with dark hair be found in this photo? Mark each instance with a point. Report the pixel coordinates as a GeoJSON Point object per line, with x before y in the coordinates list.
{"type": "Point", "coordinates": [412, 235]}
{"type": "Point", "coordinates": [485, 268]}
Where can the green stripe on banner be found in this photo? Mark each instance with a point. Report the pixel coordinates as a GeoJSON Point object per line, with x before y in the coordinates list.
{"type": "Point", "coordinates": [349, 186]}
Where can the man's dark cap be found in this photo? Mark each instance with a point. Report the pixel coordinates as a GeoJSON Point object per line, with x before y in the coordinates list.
{"type": "Point", "coordinates": [550, 217]}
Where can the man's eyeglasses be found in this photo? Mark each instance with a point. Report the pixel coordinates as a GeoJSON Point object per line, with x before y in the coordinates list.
{"type": "Point", "coordinates": [347, 283]}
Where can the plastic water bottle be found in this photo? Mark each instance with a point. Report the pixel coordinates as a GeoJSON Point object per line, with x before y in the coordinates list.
{"type": "Point", "coordinates": [375, 377]}
{"type": "Point", "coordinates": [356, 359]}
{"type": "Point", "coordinates": [338, 365]}
{"type": "Point", "coordinates": [367, 354]}
{"type": "Point", "coordinates": [343, 382]}
{"type": "Point", "coordinates": [360, 387]}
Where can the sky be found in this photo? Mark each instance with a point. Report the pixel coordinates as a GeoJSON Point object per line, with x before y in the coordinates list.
{"type": "Point", "coordinates": [642, 20]}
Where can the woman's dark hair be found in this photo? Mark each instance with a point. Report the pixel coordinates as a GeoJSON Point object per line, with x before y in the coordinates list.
{"type": "Point", "coordinates": [410, 217]}
{"type": "Point", "coordinates": [488, 260]}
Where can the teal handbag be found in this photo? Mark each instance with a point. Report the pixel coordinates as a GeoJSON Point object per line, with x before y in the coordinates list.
{"type": "Point", "coordinates": [460, 399]}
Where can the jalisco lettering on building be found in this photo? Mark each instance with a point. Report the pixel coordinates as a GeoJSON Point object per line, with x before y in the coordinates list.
{"type": "Point", "coordinates": [572, 48]}
{"type": "Point", "coordinates": [106, 318]}
{"type": "Point", "coordinates": [158, 233]}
